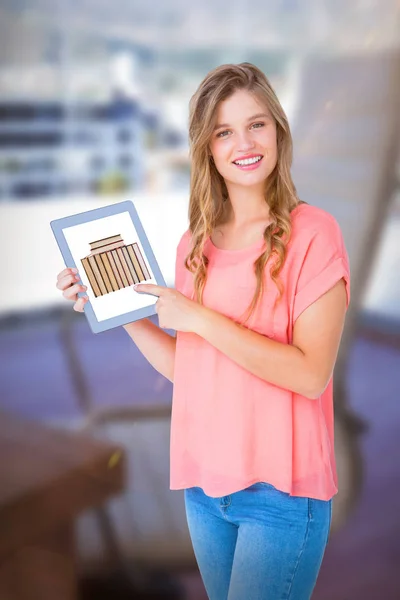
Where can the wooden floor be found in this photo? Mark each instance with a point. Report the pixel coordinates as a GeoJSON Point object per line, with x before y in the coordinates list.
{"type": "Point", "coordinates": [362, 561]}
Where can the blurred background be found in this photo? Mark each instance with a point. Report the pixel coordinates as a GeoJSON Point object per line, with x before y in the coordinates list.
{"type": "Point", "coordinates": [93, 110]}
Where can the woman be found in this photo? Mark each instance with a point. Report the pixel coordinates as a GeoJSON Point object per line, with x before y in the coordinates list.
{"type": "Point", "coordinates": [262, 288]}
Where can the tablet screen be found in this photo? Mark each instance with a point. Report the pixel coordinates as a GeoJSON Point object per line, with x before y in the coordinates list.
{"type": "Point", "coordinates": [110, 259]}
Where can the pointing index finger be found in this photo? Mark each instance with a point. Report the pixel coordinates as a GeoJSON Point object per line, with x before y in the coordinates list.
{"type": "Point", "coordinates": [149, 288]}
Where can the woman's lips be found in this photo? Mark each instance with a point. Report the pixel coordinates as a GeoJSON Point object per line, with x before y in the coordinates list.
{"type": "Point", "coordinates": [250, 167]}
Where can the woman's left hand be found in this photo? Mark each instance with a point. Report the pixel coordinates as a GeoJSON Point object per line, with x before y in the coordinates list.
{"type": "Point", "coordinates": [174, 310]}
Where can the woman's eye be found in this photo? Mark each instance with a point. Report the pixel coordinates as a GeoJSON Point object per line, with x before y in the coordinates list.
{"type": "Point", "coordinates": [225, 133]}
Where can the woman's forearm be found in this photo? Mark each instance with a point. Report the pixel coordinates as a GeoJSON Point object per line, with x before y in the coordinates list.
{"type": "Point", "coordinates": [305, 366]}
{"type": "Point", "coordinates": [157, 346]}
{"type": "Point", "coordinates": [280, 364]}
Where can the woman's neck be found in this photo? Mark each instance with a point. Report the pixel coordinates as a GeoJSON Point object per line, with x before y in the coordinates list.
{"type": "Point", "coordinates": [245, 205]}
{"type": "Point", "coordinates": [238, 214]}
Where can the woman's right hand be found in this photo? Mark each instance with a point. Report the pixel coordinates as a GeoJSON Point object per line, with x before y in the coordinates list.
{"type": "Point", "coordinates": [67, 282]}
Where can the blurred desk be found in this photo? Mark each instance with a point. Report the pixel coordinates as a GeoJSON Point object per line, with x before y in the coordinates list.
{"type": "Point", "coordinates": [47, 477]}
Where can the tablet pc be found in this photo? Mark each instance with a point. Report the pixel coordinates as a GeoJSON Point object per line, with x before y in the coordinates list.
{"type": "Point", "coordinates": [109, 248]}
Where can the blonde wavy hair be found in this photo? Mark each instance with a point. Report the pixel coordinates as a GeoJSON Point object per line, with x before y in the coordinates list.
{"type": "Point", "coordinates": [208, 192]}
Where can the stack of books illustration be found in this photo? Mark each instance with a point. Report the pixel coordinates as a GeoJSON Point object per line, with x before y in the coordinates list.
{"type": "Point", "coordinates": [113, 265]}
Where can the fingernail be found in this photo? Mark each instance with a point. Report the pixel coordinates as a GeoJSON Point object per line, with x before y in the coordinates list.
{"type": "Point", "coordinates": [77, 277]}
{"type": "Point", "coordinates": [74, 270]}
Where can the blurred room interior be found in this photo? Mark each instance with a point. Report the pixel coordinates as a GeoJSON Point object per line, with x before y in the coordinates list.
{"type": "Point", "coordinates": [93, 110]}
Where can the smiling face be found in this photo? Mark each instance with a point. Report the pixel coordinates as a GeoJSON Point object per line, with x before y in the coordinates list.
{"type": "Point", "coordinates": [243, 144]}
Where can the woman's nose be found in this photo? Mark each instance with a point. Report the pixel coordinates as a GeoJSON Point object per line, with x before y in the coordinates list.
{"type": "Point", "coordinates": [245, 142]}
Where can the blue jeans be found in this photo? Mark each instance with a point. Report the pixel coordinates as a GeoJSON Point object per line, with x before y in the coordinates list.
{"type": "Point", "coordinates": [258, 543]}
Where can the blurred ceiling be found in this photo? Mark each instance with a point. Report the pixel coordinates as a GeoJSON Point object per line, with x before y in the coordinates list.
{"type": "Point", "coordinates": [276, 23]}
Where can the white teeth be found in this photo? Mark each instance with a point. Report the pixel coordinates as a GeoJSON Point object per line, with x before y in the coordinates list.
{"type": "Point", "coordinates": [248, 161]}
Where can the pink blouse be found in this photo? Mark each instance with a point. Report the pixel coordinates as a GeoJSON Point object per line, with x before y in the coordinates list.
{"type": "Point", "coordinates": [230, 428]}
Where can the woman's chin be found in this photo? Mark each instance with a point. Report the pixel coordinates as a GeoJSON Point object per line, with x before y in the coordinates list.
{"type": "Point", "coordinates": [255, 180]}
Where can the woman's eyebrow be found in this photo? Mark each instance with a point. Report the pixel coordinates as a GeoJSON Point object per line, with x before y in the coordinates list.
{"type": "Point", "coordinates": [257, 116]}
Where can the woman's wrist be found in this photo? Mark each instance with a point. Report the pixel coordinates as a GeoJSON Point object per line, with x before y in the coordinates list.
{"type": "Point", "coordinates": [136, 325]}
{"type": "Point", "coordinates": [201, 320]}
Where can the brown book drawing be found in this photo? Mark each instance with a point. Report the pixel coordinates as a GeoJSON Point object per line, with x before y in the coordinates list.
{"type": "Point", "coordinates": [106, 261]}
{"type": "Point", "coordinates": [91, 277]}
{"type": "Point", "coordinates": [103, 272]}
{"type": "Point", "coordinates": [130, 265]}
{"type": "Point", "coordinates": [135, 262]}
{"type": "Point", "coordinates": [97, 274]}
{"type": "Point", "coordinates": [112, 265]}
{"type": "Point", "coordinates": [141, 261]}
{"type": "Point", "coordinates": [120, 268]}
{"type": "Point", "coordinates": [115, 270]}
{"type": "Point", "coordinates": [105, 242]}
{"type": "Point", "coordinates": [125, 266]}
{"type": "Point", "coordinates": [107, 247]}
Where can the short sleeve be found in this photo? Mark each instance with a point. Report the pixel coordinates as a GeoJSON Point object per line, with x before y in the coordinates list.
{"type": "Point", "coordinates": [325, 262]}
